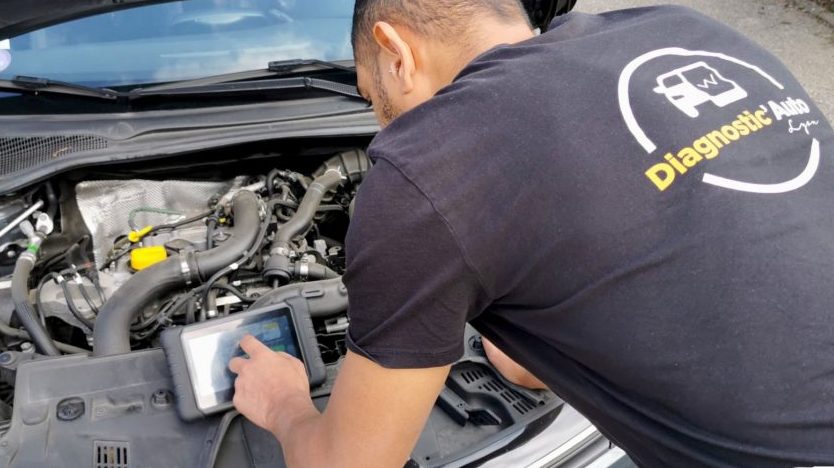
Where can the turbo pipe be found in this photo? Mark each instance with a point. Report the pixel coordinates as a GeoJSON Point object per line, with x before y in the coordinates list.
{"type": "Point", "coordinates": [348, 166]}
{"type": "Point", "coordinates": [112, 328]}
{"type": "Point", "coordinates": [325, 298]}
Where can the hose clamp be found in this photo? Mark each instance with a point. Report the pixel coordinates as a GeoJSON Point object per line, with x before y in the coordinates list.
{"type": "Point", "coordinates": [186, 270]}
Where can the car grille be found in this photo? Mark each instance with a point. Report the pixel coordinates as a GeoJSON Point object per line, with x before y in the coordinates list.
{"type": "Point", "coordinates": [107, 454]}
{"type": "Point", "coordinates": [21, 153]}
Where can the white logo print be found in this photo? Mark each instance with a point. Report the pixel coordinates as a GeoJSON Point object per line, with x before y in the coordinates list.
{"type": "Point", "coordinates": [625, 81]}
{"type": "Point", "coordinates": [696, 84]}
{"type": "Point", "coordinates": [690, 86]}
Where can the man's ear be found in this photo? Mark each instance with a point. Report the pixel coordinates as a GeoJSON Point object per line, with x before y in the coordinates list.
{"type": "Point", "coordinates": [397, 55]}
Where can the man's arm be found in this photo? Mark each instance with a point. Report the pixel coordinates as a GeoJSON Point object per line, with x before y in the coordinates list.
{"type": "Point", "coordinates": [373, 419]}
{"type": "Point", "coordinates": [510, 369]}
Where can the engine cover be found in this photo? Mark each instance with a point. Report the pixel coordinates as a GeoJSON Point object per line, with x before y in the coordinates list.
{"type": "Point", "coordinates": [115, 411]}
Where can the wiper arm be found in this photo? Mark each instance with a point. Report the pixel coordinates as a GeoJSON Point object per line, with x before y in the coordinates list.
{"type": "Point", "coordinates": [274, 69]}
{"type": "Point", "coordinates": [31, 84]}
{"type": "Point", "coordinates": [295, 65]}
{"type": "Point", "coordinates": [280, 84]}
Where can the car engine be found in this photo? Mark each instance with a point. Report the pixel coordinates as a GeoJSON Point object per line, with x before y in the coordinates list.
{"type": "Point", "coordinates": [96, 264]}
{"type": "Point", "coordinates": [162, 253]}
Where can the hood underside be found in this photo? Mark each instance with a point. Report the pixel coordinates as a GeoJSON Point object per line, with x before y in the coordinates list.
{"type": "Point", "coordinates": [22, 16]}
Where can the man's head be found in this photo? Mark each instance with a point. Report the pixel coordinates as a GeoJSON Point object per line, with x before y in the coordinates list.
{"type": "Point", "coordinates": [407, 50]}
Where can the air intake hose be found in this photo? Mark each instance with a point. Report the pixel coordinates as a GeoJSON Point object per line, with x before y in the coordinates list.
{"type": "Point", "coordinates": [348, 166]}
{"type": "Point", "coordinates": [112, 329]}
{"type": "Point", "coordinates": [324, 298]}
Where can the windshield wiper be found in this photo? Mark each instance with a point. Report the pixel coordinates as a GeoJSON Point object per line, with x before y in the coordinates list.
{"type": "Point", "coordinates": [32, 84]}
{"type": "Point", "coordinates": [274, 69]}
{"type": "Point", "coordinates": [239, 82]}
{"type": "Point", "coordinates": [279, 84]}
{"type": "Point", "coordinates": [296, 65]}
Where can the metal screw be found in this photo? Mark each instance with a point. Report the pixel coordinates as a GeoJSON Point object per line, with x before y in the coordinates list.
{"type": "Point", "coordinates": [27, 347]}
{"type": "Point", "coordinates": [475, 344]}
{"type": "Point", "coordinates": [70, 409]}
{"type": "Point", "coordinates": [162, 398]}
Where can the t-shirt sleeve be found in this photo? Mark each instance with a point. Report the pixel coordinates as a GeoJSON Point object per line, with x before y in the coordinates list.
{"type": "Point", "coordinates": [411, 289]}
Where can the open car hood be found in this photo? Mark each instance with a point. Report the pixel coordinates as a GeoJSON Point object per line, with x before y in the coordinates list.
{"type": "Point", "coordinates": [22, 16]}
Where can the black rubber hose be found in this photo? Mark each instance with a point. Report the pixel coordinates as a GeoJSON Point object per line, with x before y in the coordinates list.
{"type": "Point", "coordinates": [22, 335]}
{"type": "Point", "coordinates": [246, 209]}
{"type": "Point", "coordinates": [38, 295]}
{"type": "Point", "coordinates": [51, 200]}
{"type": "Point", "coordinates": [307, 209]}
{"type": "Point", "coordinates": [23, 308]}
{"type": "Point", "coordinates": [270, 181]}
{"type": "Point", "coordinates": [350, 166]}
{"type": "Point", "coordinates": [324, 298]}
{"type": "Point", "coordinates": [76, 312]}
{"type": "Point", "coordinates": [315, 271]}
{"type": "Point", "coordinates": [112, 329]}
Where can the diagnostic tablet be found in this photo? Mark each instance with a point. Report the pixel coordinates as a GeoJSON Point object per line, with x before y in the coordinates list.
{"type": "Point", "coordinates": [199, 354]}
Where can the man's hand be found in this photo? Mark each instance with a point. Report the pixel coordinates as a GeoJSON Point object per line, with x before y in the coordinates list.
{"type": "Point", "coordinates": [269, 384]}
{"type": "Point", "coordinates": [510, 369]}
{"type": "Point", "coordinates": [373, 418]}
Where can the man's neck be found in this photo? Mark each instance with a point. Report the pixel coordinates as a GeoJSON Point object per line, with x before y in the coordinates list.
{"type": "Point", "coordinates": [487, 37]}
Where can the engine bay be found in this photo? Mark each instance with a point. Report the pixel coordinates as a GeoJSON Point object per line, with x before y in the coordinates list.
{"type": "Point", "coordinates": [99, 264]}
{"type": "Point", "coordinates": [159, 253]}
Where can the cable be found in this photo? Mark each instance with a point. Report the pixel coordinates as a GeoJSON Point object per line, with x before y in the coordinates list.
{"type": "Point", "coordinates": [131, 218]}
{"type": "Point", "coordinates": [87, 297]}
{"type": "Point", "coordinates": [235, 292]}
{"type": "Point", "coordinates": [190, 220]}
{"type": "Point", "coordinates": [38, 303]}
{"type": "Point", "coordinates": [73, 308]}
{"type": "Point", "coordinates": [97, 285]}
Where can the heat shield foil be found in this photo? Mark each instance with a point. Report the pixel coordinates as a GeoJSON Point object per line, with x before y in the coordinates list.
{"type": "Point", "coordinates": [106, 206]}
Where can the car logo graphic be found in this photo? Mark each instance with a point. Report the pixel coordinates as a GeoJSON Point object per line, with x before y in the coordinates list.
{"type": "Point", "coordinates": [693, 85]}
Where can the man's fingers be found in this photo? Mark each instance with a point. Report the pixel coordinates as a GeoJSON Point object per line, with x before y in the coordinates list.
{"type": "Point", "coordinates": [252, 346]}
{"type": "Point", "coordinates": [236, 364]}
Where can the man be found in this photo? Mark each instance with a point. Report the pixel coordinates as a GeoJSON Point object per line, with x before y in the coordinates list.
{"type": "Point", "coordinates": [637, 207]}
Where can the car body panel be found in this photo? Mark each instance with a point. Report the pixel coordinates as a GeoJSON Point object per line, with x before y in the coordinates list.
{"type": "Point", "coordinates": [22, 16]}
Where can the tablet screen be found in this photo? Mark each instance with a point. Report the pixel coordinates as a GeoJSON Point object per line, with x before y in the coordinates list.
{"type": "Point", "coordinates": [208, 351]}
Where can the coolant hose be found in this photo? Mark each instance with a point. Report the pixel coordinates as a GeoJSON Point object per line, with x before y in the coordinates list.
{"type": "Point", "coordinates": [350, 166]}
{"type": "Point", "coordinates": [23, 308]}
{"type": "Point", "coordinates": [307, 209]}
{"type": "Point", "coordinates": [324, 298]}
{"type": "Point", "coordinates": [279, 266]}
{"type": "Point", "coordinates": [112, 328]}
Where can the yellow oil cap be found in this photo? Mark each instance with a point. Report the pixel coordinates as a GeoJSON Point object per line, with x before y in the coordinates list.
{"type": "Point", "coordinates": [144, 257]}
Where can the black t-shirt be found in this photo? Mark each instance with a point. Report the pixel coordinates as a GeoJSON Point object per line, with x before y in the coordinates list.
{"type": "Point", "coordinates": [638, 207]}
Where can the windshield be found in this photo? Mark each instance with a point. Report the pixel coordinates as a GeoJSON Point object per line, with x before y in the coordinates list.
{"type": "Point", "coordinates": [181, 40]}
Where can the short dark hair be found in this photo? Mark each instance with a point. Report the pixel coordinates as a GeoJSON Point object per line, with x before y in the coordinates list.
{"type": "Point", "coordinates": [439, 19]}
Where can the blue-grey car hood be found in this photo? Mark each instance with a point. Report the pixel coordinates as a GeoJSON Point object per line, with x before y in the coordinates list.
{"type": "Point", "coordinates": [22, 16]}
